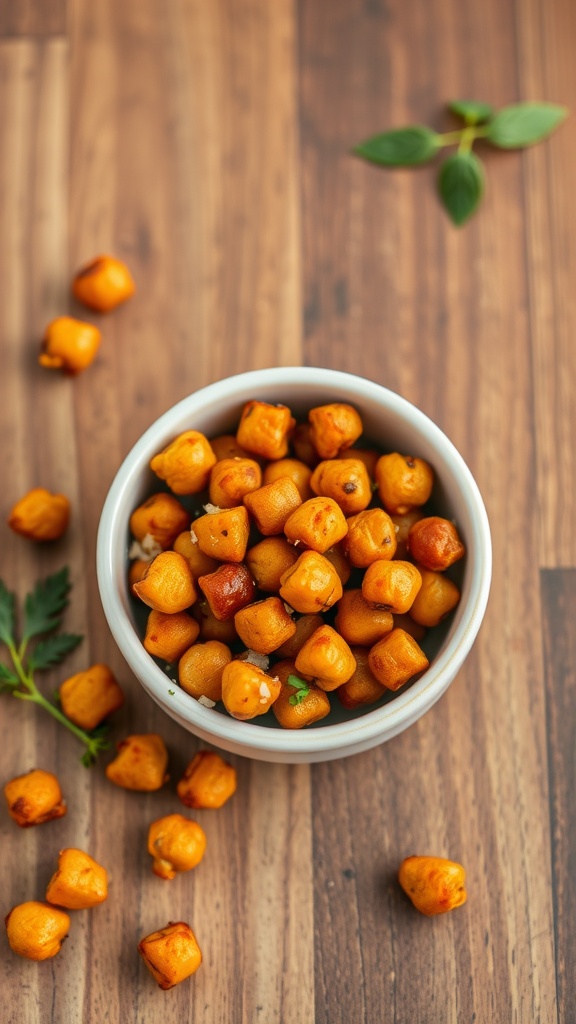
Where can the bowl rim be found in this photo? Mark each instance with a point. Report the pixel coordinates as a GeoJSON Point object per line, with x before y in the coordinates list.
{"type": "Point", "coordinates": [382, 722]}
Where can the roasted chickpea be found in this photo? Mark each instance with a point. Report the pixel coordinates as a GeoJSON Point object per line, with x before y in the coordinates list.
{"type": "Point", "coordinates": [317, 524]}
{"type": "Point", "coordinates": [362, 688]}
{"type": "Point", "coordinates": [298, 472]}
{"type": "Point", "coordinates": [40, 515]}
{"type": "Point", "coordinates": [137, 571]}
{"type": "Point", "coordinates": [433, 884]}
{"type": "Point", "coordinates": [298, 706]}
{"type": "Point", "coordinates": [402, 526]}
{"type": "Point", "coordinates": [208, 781]}
{"type": "Point", "coordinates": [434, 543]}
{"type": "Point", "coordinates": [168, 636]}
{"type": "Point", "coordinates": [89, 697]}
{"type": "Point", "coordinates": [264, 429]}
{"type": "Point", "coordinates": [168, 585]}
{"type": "Point", "coordinates": [264, 625]}
{"type": "Point", "coordinates": [437, 597]}
{"type": "Point", "coordinates": [371, 536]}
{"type": "Point", "coordinates": [200, 564]}
{"type": "Point", "coordinates": [161, 518]}
{"type": "Point", "coordinates": [269, 560]}
{"type": "Point", "coordinates": [176, 844]}
{"type": "Point", "coordinates": [311, 584]}
{"type": "Point", "coordinates": [303, 447]}
{"type": "Point", "coordinates": [200, 669]}
{"type": "Point", "coordinates": [225, 446]}
{"type": "Point", "coordinates": [360, 624]}
{"type": "Point", "coordinates": [369, 456]}
{"type": "Point", "coordinates": [327, 658]}
{"type": "Point", "coordinates": [223, 534]}
{"type": "Point", "coordinates": [232, 479]}
{"type": "Point", "coordinates": [171, 954]}
{"type": "Point", "coordinates": [78, 883]}
{"type": "Point", "coordinates": [185, 463]}
{"type": "Point", "coordinates": [211, 628]}
{"type": "Point", "coordinates": [391, 585]}
{"type": "Point", "coordinates": [334, 428]}
{"type": "Point", "coordinates": [247, 691]}
{"type": "Point", "coordinates": [228, 589]}
{"type": "Point", "coordinates": [407, 623]}
{"type": "Point", "coordinates": [34, 798]}
{"type": "Point", "coordinates": [271, 505]}
{"type": "Point", "coordinates": [344, 480]}
{"type": "Point", "coordinates": [305, 626]}
{"type": "Point", "coordinates": [69, 345]}
{"type": "Point", "coordinates": [140, 764]}
{"type": "Point", "coordinates": [338, 559]}
{"type": "Point", "coordinates": [103, 284]}
{"type": "Point", "coordinates": [36, 930]}
{"type": "Point", "coordinates": [404, 482]}
{"type": "Point", "coordinates": [396, 659]}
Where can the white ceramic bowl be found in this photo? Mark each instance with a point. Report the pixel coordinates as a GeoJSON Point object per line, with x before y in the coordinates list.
{"type": "Point", "coordinates": [394, 424]}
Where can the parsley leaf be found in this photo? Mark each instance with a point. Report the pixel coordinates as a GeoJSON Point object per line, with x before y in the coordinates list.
{"type": "Point", "coordinates": [52, 651]}
{"type": "Point", "coordinates": [302, 689]}
{"type": "Point", "coordinates": [43, 607]}
{"type": "Point", "coordinates": [6, 614]}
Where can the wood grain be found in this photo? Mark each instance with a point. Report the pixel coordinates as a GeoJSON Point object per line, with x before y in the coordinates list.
{"type": "Point", "coordinates": [38, 18]}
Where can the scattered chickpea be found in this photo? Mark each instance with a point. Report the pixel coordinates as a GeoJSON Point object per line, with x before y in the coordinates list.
{"type": "Point", "coordinates": [36, 930]}
{"type": "Point", "coordinates": [69, 345]}
{"type": "Point", "coordinates": [176, 844]}
{"type": "Point", "coordinates": [34, 798]}
{"type": "Point", "coordinates": [185, 463]}
{"type": "Point", "coordinates": [208, 781]}
{"type": "Point", "coordinates": [171, 954]}
{"type": "Point", "coordinates": [40, 515]}
{"type": "Point", "coordinates": [103, 284]}
{"type": "Point", "coordinates": [434, 884]}
{"type": "Point", "coordinates": [140, 764]}
{"type": "Point", "coordinates": [88, 697]}
{"type": "Point", "coordinates": [79, 881]}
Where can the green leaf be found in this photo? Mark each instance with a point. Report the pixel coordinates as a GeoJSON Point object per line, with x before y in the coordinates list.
{"type": "Point", "coordinates": [7, 601]}
{"type": "Point", "coordinates": [461, 185]}
{"type": "Point", "coordinates": [43, 608]}
{"type": "Point", "coordinates": [523, 124]}
{"type": "Point", "coordinates": [400, 147]}
{"type": "Point", "coordinates": [470, 111]}
{"type": "Point", "coordinates": [302, 688]}
{"type": "Point", "coordinates": [7, 679]}
{"type": "Point", "coordinates": [52, 651]}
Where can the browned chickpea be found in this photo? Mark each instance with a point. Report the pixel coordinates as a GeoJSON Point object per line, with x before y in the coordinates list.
{"type": "Point", "coordinates": [228, 589]}
{"type": "Point", "coordinates": [396, 659]}
{"type": "Point", "coordinates": [168, 636]}
{"type": "Point", "coordinates": [402, 526]}
{"type": "Point", "coordinates": [160, 517]}
{"type": "Point", "coordinates": [212, 628]}
{"type": "Point", "coordinates": [223, 534]}
{"type": "Point", "coordinates": [200, 564]}
{"type": "Point", "coordinates": [171, 954]}
{"type": "Point", "coordinates": [391, 585]}
{"type": "Point", "coordinates": [140, 763]}
{"type": "Point", "coordinates": [137, 572]}
{"type": "Point", "coordinates": [358, 623]}
{"type": "Point", "coordinates": [345, 480]}
{"type": "Point", "coordinates": [271, 505]}
{"type": "Point", "coordinates": [185, 463]}
{"type": "Point", "coordinates": [298, 472]}
{"type": "Point", "coordinates": [298, 705]}
{"type": "Point", "coordinates": [303, 447]}
{"type": "Point", "coordinates": [334, 428]}
{"type": "Point", "coordinates": [434, 543]}
{"type": "Point", "coordinates": [264, 429]}
{"type": "Point", "coordinates": [88, 697]}
{"type": "Point", "coordinates": [269, 560]}
{"type": "Point", "coordinates": [34, 798]}
{"type": "Point", "coordinates": [78, 883]}
{"type": "Point", "coordinates": [404, 482]}
{"type": "Point", "coordinates": [369, 456]}
{"type": "Point", "coordinates": [338, 559]}
{"type": "Point", "coordinates": [327, 658]}
{"type": "Point", "coordinates": [176, 844]}
{"type": "Point", "coordinates": [362, 687]}
{"type": "Point", "coordinates": [437, 597]}
{"type": "Point", "coordinates": [168, 585]}
{"type": "Point", "coordinates": [231, 479]}
{"type": "Point", "coordinates": [318, 524]}
{"type": "Point", "coordinates": [226, 447]}
{"type": "Point", "coordinates": [208, 781]}
{"type": "Point", "coordinates": [371, 535]}
{"type": "Point", "coordinates": [406, 623]}
{"type": "Point", "coordinates": [247, 691]}
{"type": "Point", "coordinates": [200, 669]}
{"type": "Point", "coordinates": [312, 584]}
{"type": "Point", "coordinates": [305, 626]}
{"type": "Point", "coordinates": [264, 625]}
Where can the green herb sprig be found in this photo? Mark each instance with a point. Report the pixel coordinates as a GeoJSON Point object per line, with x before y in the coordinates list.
{"type": "Point", "coordinates": [462, 176]}
{"type": "Point", "coordinates": [302, 689]}
{"type": "Point", "coordinates": [43, 611]}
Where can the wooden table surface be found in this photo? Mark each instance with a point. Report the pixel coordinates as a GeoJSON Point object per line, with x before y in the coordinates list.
{"type": "Point", "coordinates": [207, 142]}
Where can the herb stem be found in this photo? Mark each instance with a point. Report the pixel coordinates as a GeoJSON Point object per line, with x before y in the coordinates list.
{"type": "Point", "coordinates": [467, 138]}
{"type": "Point", "coordinates": [449, 138]}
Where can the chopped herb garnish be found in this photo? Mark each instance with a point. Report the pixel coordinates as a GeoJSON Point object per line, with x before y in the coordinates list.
{"type": "Point", "coordinates": [302, 689]}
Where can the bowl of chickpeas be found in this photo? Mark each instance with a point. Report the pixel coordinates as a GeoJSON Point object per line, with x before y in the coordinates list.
{"type": "Point", "coordinates": [295, 563]}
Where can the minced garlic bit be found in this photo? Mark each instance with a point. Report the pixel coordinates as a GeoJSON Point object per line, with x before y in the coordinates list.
{"type": "Point", "coordinates": [211, 509]}
{"type": "Point", "coordinates": [146, 549]}
{"type": "Point", "coordinates": [288, 608]}
{"type": "Point", "coordinates": [259, 660]}
{"type": "Point", "coordinates": [193, 536]}
{"type": "Point", "coordinates": [206, 702]}
{"type": "Point", "coordinates": [264, 690]}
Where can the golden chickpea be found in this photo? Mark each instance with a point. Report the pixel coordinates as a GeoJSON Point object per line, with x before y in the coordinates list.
{"type": "Point", "coordinates": [36, 930]}
{"type": "Point", "coordinates": [185, 463]}
{"type": "Point", "coordinates": [264, 429]}
{"type": "Point", "coordinates": [225, 446]}
{"type": "Point", "coordinates": [78, 883]}
{"type": "Point", "coordinates": [224, 534]}
{"type": "Point", "coordinates": [140, 764]}
{"type": "Point", "coordinates": [200, 564]}
{"type": "Point", "coordinates": [34, 798]}
{"type": "Point", "coordinates": [168, 636]}
{"type": "Point", "coordinates": [317, 524]}
{"type": "Point", "coordinates": [176, 844]}
{"type": "Point", "coordinates": [269, 560]}
{"type": "Point", "coordinates": [271, 505]}
{"type": "Point", "coordinates": [404, 482]}
{"type": "Point", "coordinates": [211, 628]}
{"type": "Point", "coordinates": [338, 559]}
{"type": "Point", "coordinates": [396, 659]}
{"type": "Point", "coordinates": [359, 624]}
{"type": "Point", "coordinates": [362, 688]}
{"type": "Point", "coordinates": [311, 584]}
{"type": "Point", "coordinates": [40, 515]}
{"type": "Point", "coordinates": [344, 480]}
{"type": "Point", "coordinates": [200, 669]}
{"type": "Point", "coordinates": [208, 781]}
{"type": "Point", "coordinates": [434, 543]}
{"type": "Point", "coordinates": [137, 572]}
{"type": "Point", "coordinates": [371, 535]}
{"type": "Point", "coordinates": [407, 623]}
{"type": "Point", "coordinates": [327, 658]}
{"type": "Point", "coordinates": [300, 705]}
{"type": "Point", "coordinates": [89, 697]}
{"type": "Point", "coordinates": [303, 447]}
{"type": "Point", "coordinates": [437, 597]}
{"type": "Point", "coordinates": [232, 479]}
{"type": "Point", "coordinates": [171, 954]}
{"type": "Point", "coordinates": [334, 428]}
{"type": "Point", "coordinates": [69, 345]}
{"type": "Point", "coordinates": [369, 456]}
{"type": "Point", "coordinates": [264, 625]}
{"type": "Point", "coordinates": [391, 585]}
{"type": "Point", "coordinates": [247, 691]}
{"type": "Point", "coordinates": [433, 884]}
{"type": "Point", "coordinates": [298, 472]}
{"type": "Point", "coordinates": [305, 626]}
{"type": "Point", "coordinates": [402, 526]}
{"type": "Point", "coordinates": [228, 589]}
{"type": "Point", "coordinates": [103, 284]}
{"type": "Point", "coordinates": [167, 585]}
{"type": "Point", "coordinates": [160, 517]}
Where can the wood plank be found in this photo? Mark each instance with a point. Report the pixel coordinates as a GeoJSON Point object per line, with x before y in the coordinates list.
{"type": "Point", "coordinates": [32, 18]}
{"type": "Point", "coordinates": [394, 292]}
{"type": "Point", "coordinates": [559, 609]}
